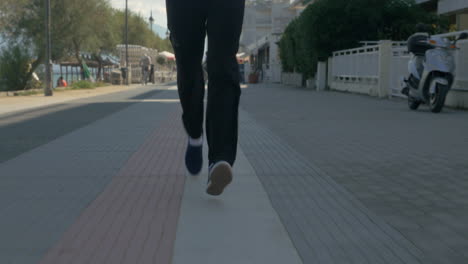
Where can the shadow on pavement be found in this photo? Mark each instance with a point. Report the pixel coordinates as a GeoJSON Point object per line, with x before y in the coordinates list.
{"type": "Point", "coordinates": [22, 133]}
{"type": "Point", "coordinates": [28, 134]}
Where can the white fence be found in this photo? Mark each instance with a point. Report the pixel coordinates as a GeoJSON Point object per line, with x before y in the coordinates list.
{"type": "Point", "coordinates": [379, 68]}
{"type": "Point", "coordinates": [376, 69]}
{"type": "Point", "coordinates": [356, 63]}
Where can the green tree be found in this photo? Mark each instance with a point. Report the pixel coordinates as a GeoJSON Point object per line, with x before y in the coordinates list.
{"type": "Point", "coordinates": [23, 22]}
{"type": "Point", "coordinates": [90, 29]}
{"type": "Point", "coordinates": [139, 32]}
{"type": "Point", "coordinates": [287, 48]}
{"type": "Point", "coordinates": [14, 67]}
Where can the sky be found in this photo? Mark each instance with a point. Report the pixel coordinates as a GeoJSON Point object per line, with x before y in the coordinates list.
{"type": "Point", "coordinates": [144, 7]}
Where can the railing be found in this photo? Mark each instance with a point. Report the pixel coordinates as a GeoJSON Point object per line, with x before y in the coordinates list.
{"type": "Point", "coordinates": [377, 42]}
{"type": "Point", "coordinates": [356, 63]}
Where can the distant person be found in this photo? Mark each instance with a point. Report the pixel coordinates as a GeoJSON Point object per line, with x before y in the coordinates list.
{"type": "Point", "coordinates": [151, 73]}
{"type": "Point", "coordinates": [62, 82]}
{"type": "Point", "coordinates": [150, 63]}
{"type": "Point", "coordinates": [189, 22]}
{"type": "Point", "coordinates": [145, 63]}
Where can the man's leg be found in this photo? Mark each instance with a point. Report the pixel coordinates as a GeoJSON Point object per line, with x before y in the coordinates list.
{"type": "Point", "coordinates": [146, 76]}
{"type": "Point", "coordinates": [224, 26]}
{"type": "Point", "coordinates": [186, 22]}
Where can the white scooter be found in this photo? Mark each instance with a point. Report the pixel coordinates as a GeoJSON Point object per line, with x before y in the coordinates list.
{"type": "Point", "coordinates": [432, 70]}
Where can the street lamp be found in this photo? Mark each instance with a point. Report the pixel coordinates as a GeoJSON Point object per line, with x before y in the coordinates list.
{"type": "Point", "coordinates": [126, 43]}
{"type": "Point", "coordinates": [48, 78]}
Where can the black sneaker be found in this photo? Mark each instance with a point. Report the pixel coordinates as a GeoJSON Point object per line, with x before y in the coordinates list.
{"type": "Point", "coordinates": [194, 159]}
{"type": "Point", "coordinates": [220, 175]}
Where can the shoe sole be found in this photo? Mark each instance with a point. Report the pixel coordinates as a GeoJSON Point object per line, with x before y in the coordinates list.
{"type": "Point", "coordinates": [221, 176]}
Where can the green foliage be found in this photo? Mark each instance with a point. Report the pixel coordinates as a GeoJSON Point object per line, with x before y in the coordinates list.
{"type": "Point", "coordinates": [287, 49]}
{"type": "Point", "coordinates": [14, 67]}
{"type": "Point", "coordinates": [330, 25]}
{"type": "Point", "coordinates": [29, 92]}
{"type": "Point", "coordinates": [295, 56]}
{"type": "Point", "coordinates": [23, 20]}
{"type": "Point", "coordinates": [139, 32]}
{"type": "Point", "coordinates": [83, 85]}
{"type": "Point", "coordinates": [79, 85]}
{"type": "Point", "coordinates": [161, 60]}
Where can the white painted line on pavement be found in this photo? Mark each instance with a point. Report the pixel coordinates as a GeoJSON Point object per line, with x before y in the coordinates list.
{"type": "Point", "coordinates": [240, 226]}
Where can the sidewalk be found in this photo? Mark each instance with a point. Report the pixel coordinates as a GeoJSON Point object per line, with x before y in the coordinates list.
{"type": "Point", "coordinates": [116, 190]}
{"type": "Point", "coordinates": [407, 168]}
{"type": "Point", "coordinates": [9, 104]}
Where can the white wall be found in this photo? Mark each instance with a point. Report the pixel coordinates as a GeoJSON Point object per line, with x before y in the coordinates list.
{"type": "Point", "coordinates": [281, 16]}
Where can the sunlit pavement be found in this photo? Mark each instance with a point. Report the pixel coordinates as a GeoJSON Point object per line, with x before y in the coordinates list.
{"type": "Point", "coordinates": [320, 178]}
{"type": "Point", "coordinates": [9, 104]}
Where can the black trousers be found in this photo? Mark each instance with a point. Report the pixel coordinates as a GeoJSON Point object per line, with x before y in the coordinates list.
{"type": "Point", "coordinates": [189, 22]}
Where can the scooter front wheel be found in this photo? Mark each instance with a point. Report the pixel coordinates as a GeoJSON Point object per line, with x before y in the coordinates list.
{"type": "Point", "coordinates": [437, 99]}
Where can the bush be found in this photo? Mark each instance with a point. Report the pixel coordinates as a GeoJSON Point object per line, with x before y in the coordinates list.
{"type": "Point", "coordinates": [14, 68]}
{"type": "Point", "coordinates": [87, 85]}
{"type": "Point", "coordinates": [287, 47]}
{"type": "Point", "coordinates": [83, 85]}
{"type": "Point", "coordinates": [161, 60]}
{"type": "Point", "coordinates": [294, 54]}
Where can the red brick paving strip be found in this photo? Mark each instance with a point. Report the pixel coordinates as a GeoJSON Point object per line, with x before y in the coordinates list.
{"type": "Point", "coordinates": [134, 219]}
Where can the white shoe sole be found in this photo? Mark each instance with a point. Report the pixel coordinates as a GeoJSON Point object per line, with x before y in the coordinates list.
{"type": "Point", "coordinates": [220, 177]}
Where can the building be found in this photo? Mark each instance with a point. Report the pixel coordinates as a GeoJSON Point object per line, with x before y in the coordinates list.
{"type": "Point", "coordinates": [257, 22]}
{"type": "Point", "coordinates": [264, 23]}
{"type": "Point", "coordinates": [457, 10]}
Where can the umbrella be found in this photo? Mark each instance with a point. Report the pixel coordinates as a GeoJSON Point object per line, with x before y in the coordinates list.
{"type": "Point", "coordinates": [168, 55]}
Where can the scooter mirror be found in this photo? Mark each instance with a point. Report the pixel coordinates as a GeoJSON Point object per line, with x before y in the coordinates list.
{"type": "Point", "coordinates": [463, 35]}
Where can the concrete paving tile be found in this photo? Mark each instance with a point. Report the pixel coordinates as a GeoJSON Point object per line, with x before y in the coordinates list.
{"type": "Point", "coordinates": [364, 145]}
{"type": "Point", "coordinates": [64, 176]}
{"type": "Point", "coordinates": [361, 240]}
